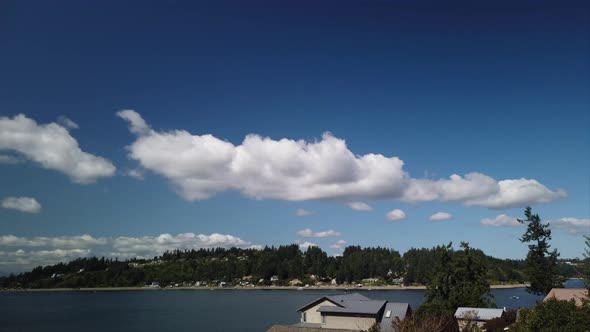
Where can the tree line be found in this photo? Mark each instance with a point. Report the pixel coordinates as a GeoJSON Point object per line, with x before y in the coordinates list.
{"type": "Point", "coordinates": [285, 262]}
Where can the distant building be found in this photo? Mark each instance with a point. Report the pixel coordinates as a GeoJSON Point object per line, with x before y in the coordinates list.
{"type": "Point", "coordinates": [476, 316]}
{"type": "Point", "coordinates": [351, 312]}
{"type": "Point", "coordinates": [155, 284]}
{"type": "Point", "coordinates": [274, 278]}
{"type": "Point", "coordinates": [567, 294]}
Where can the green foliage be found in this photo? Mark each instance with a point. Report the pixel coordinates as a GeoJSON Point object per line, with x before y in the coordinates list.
{"type": "Point", "coordinates": [554, 316]}
{"type": "Point", "coordinates": [358, 264]}
{"type": "Point", "coordinates": [231, 265]}
{"type": "Point", "coordinates": [541, 265]}
{"type": "Point", "coordinates": [426, 324]}
{"type": "Point", "coordinates": [498, 324]}
{"type": "Point", "coordinates": [459, 281]}
{"type": "Point", "coordinates": [419, 263]}
{"type": "Point", "coordinates": [374, 328]}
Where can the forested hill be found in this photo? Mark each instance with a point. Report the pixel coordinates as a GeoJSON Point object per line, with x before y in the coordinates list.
{"type": "Point", "coordinates": [235, 265]}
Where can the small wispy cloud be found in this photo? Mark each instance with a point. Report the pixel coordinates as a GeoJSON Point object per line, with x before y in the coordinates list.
{"type": "Point", "coordinates": [23, 204]}
{"type": "Point", "coordinates": [440, 216]}
{"type": "Point", "coordinates": [338, 245]}
{"type": "Point", "coordinates": [10, 160]}
{"type": "Point", "coordinates": [395, 215]}
{"type": "Point", "coordinates": [574, 226]}
{"type": "Point", "coordinates": [500, 220]}
{"type": "Point", "coordinates": [359, 206]}
{"type": "Point", "coordinates": [67, 123]}
{"type": "Point", "coordinates": [309, 233]}
{"type": "Point", "coordinates": [305, 245]}
{"type": "Point", "coordinates": [304, 212]}
{"type": "Point", "coordinates": [135, 173]}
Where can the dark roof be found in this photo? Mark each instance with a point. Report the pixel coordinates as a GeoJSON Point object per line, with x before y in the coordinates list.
{"type": "Point", "coordinates": [397, 310]}
{"type": "Point", "coordinates": [370, 307]}
{"type": "Point", "coordinates": [480, 314]}
{"type": "Point", "coordinates": [294, 328]}
{"type": "Point", "coordinates": [336, 299]}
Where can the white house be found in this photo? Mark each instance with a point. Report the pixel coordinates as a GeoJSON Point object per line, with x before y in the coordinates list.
{"type": "Point", "coordinates": [352, 312]}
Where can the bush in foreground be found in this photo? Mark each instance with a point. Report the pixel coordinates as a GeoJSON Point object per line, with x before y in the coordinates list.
{"type": "Point", "coordinates": [554, 315]}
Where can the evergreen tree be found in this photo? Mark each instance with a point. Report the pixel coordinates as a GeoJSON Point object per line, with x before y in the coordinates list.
{"type": "Point", "coordinates": [459, 281]}
{"type": "Point", "coordinates": [541, 265]}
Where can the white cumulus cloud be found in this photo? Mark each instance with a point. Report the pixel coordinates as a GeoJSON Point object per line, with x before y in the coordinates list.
{"type": "Point", "coordinates": [309, 233]}
{"type": "Point", "coordinates": [500, 220]}
{"type": "Point", "coordinates": [137, 124]}
{"type": "Point", "coordinates": [574, 226]}
{"type": "Point", "coordinates": [338, 245]}
{"type": "Point", "coordinates": [395, 215]}
{"type": "Point", "coordinates": [21, 253]}
{"type": "Point", "coordinates": [23, 204]}
{"type": "Point", "coordinates": [305, 245]}
{"type": "Point", "coordinates": [52, 146]}
{"type": "Point", "coordinates": [440, 216]}
{"type": "Point", "coordinates": [359, 206]}
{"type": "Point", "coordinates": [303, 212]}
{"type": "Point", "coordinates": [200, 166]}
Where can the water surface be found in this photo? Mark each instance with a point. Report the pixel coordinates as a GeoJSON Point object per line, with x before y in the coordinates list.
{"type": "Point", "coordinates": [187, 310]}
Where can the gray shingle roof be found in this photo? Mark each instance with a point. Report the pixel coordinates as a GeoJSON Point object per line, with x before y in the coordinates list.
{"type": "Point", "coordinates": [348, 297]}
{"type": "Point", "coordinates": [370, 307]}
{"type": "Point", "coordinates": [397, 310]}
{"type": "Point", "coordinates": [478, 313]}
{"type": "Point", "coordinates": [336, 299]}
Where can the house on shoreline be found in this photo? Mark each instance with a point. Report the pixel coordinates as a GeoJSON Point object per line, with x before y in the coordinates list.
{"type": "Point", "coordinates": [476, 316]}
{"type": "Point", "coordinates": [347, 312]}
{"type": "Point", "coordinates": [568, 294]}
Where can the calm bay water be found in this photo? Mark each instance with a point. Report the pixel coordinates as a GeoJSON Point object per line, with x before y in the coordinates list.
{"type": "Point", "coordinates": [186, 310]}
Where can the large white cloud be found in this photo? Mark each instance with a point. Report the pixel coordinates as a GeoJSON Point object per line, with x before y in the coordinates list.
{"type": "Point", "coordinates": [309, 233]}
{"type": "Point", "coordinates": [200, 166]}
{"type": "Point", "coordinates": [21, 253]}
{"type": "Point", "coordinates": [52, 146]}
{"type": "Point", "coordinates": [476, 189]}
{"type": "Point", "coordinates": [23, 204]}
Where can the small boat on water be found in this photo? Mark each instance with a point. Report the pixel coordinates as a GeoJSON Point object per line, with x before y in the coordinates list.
{"type": "Point", "coordinates": [514, 297]}
{"type": "Point", "coordinates": [300, 288]}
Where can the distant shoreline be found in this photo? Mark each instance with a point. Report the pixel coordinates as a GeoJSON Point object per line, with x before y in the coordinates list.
{"type": "Point", "coordinates": [340, 288]}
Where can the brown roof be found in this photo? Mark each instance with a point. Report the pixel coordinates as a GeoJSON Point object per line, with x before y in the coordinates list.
{"type": "Point", "coordinates": [292, 328]}
{"type": "Point", "coordinates": [566, 294]}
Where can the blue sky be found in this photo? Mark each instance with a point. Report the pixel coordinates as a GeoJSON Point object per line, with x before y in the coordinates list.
{"type": "Point", "coordinates": [409, 94]}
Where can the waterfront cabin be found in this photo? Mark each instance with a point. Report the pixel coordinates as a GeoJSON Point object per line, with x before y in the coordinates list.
{"type": "Point", "coordinates": [351, 312]}
{"type": "Point", "coordinates": [476, 316]}
{"type": "Point", "coordinates": [567, 294]}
